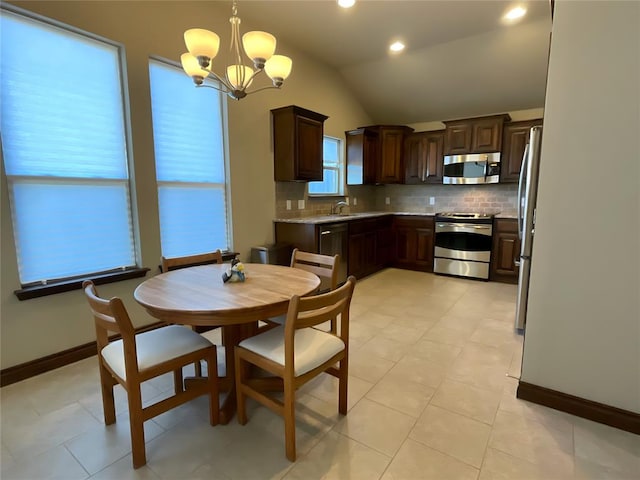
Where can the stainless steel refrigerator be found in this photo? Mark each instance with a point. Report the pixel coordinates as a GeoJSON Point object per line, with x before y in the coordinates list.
{"type": "Point", "coordinates": [527, 192]}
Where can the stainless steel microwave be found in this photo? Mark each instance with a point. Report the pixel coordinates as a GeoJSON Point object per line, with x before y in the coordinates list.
{"type": "Point", "coordinates": [471, 169]}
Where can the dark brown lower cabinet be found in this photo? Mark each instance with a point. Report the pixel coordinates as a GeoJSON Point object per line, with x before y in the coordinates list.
{"type": "Point", "coordinates": [386, 245]}
{"type": "Point", "coordinates": [374, 243]}
{"type": "Point", "coordinates": [414, 243]}
{"type": "Point", "coordinates": [505, 251]}
{"type": "Point", "coordinates": [363, 243]}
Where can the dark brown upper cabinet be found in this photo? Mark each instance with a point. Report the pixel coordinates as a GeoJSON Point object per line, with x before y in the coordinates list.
{"type": "Point", "coordinates": [297, 144]}
{"type": "Point", "coordinates": [515, 137]}
{"type": "Point", "coordinates": [474, 135]}
{"type": "Point", "coordinates": [362, 155]}
{"type": "Point", "coordinates": [374, 154]}
{"type": "Point", "coordinates": [423, 157]}
{"type": "Point", "coordinates": [390, 161]}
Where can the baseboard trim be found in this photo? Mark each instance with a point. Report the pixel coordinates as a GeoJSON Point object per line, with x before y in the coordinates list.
{"type": "Point", "coordinates": [597, 412]}
{"type": "Point", "coordinates": [35, 367]}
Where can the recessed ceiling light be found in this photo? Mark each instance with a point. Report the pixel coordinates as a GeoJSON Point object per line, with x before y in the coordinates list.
{"type": "Point", "coordinates": [396, 47]}
{"type": "Point", "coordinates": [515, 13]}
{"type": "Point", "coordinates": [346, 3]}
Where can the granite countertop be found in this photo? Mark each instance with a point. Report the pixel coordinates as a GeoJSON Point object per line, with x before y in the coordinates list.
{"type": "Point", "coordinates": [319, 219]}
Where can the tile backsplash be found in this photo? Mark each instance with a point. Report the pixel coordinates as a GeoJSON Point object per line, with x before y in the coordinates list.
{"type": "Point", "coordinates": [363, 196]}
{"type": "Point", "coordinates": [500, 198]}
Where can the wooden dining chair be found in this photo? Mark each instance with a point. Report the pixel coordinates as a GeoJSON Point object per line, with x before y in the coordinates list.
{"type": "Point", "coordinates": [295, 353]}
{"type": "Point", "coordinates": [324, 266]}
{"type": "Point", "coordinates": [174, 263]}
{"type": "Point", "coordinates": [133, 359]}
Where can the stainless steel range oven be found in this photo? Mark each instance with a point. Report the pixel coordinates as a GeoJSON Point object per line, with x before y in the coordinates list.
{"type": "Point", "coordinates": [463, 244]}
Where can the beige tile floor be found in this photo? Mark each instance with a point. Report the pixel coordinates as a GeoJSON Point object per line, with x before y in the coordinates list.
{"type": "Point", "coordinates": [429, 397]}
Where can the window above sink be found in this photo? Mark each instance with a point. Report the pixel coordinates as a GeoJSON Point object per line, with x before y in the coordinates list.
{"type": "Point", "coordinates": [332, 183]}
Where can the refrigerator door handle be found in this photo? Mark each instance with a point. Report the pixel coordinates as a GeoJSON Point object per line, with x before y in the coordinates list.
{"type": "Point", "coordinates": [523, 169]}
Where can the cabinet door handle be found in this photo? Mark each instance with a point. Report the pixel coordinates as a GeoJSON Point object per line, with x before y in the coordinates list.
{"type": "Point", "coordinates": [516, 263]}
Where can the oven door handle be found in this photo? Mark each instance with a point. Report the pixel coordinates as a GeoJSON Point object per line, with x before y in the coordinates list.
{"type": "Point", "coordinates": [462, 228]}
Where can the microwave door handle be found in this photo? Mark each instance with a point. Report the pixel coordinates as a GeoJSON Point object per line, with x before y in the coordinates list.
{"type": "Point", "coordinates": [523, 169]}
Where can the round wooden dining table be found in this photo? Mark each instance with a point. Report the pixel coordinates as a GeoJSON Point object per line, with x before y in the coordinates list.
{"type": "Point", "coordinates": [197, 296]}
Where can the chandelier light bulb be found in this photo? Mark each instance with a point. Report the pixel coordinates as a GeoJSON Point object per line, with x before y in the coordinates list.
{"type": "Point", "coordinates": [259, 47]}
{"type": "Point", "coordinates": [202, 43]}
{"type": "Point", "coordinates": [191, 65]}
{"type": "Point", "coordinates": [278, 68]}
{"type": "Point", "coordinates": [239, 76]}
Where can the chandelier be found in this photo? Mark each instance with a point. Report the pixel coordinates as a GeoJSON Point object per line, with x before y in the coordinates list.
{"type": "Point", "coordinates": [259, 46]}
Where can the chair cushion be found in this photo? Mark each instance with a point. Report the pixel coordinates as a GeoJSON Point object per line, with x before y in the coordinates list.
{"type": "Point", "coordinates": [154, 347]}
{"type": "Point", "coordinates": [311, 347]}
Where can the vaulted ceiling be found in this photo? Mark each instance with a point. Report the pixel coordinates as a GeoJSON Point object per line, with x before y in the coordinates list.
{"type": "Point", "coordinates": [461, 59]}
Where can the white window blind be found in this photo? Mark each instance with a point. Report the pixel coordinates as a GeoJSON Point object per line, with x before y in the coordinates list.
{"type": "Point", "coordinates": [65, 153]}
{"type": "Point", "coordinates": [188, 131]}
{"type": "Point", "coordinates": [332, 183]}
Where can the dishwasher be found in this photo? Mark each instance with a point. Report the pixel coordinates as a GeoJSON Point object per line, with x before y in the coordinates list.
{"type": "Point", "coordinates": [333, 239]}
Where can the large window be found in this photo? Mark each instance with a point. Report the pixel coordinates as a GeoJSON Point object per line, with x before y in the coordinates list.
{"type": "Point", "coordinates": [332, 181]}
{"type": "Point", "coordinates": [189, 131]}
{"type": "Point", "coordinates": [65, 151]}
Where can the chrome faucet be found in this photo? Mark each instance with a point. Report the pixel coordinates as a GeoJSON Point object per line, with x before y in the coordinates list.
{"type": "Point", "coordinates": [337, 208]}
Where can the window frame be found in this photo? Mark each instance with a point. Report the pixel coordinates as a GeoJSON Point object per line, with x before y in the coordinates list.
{"type": "Point", "coordinates": [226, 186]}
{"type": "Point", "coordinates": [341, 168]}
{"type": "Point", "coordinates": [52, 286]}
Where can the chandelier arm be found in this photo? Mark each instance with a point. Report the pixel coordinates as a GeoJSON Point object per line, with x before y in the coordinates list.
{"type": "Point", "coordinates": [206, 85]}
{"type": "Point", "coordinates": [221, 80]}
{"type": "Point", "coordinates": [255, 72]}
{"type": "Point", "coordinates": [262, 88]}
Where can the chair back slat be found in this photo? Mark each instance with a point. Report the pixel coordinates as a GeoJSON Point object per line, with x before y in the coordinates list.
{"type": "Point", "coordinates": [307, 312]}
{"type": "Point", "coordinates": [324, 266]}
{"type": "Point", "coordinates": [320, 315]}
{"type": "Point", "coordinates": [175, 263]}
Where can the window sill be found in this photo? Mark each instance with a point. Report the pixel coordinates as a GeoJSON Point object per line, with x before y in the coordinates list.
{"type": "Point", "coordinates": [326, 195]}
{"type": "Point", "coordinates": [36, 291]}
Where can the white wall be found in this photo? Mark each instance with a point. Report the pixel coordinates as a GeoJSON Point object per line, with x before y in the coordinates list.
{"type": "Point", "coordinates": [34, 328]}
{"type": "Point", "coordinates": [583, 325]}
